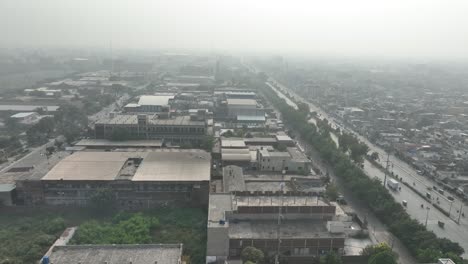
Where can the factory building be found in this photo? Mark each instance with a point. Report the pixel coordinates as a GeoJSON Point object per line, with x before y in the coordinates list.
{"type": "Point", "coordinates": [309, 226]}
{"type": "Point", "coordinates": [136, 179]}
{"type": "Point", "coordinates": [176, 130]}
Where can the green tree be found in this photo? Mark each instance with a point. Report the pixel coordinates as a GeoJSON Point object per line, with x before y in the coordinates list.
{"type": "Point", "coordinates": [12, 125]}
{"type": "Point", "coordinates": [281, 147]}
{"type": "Point", "coordinates": [303, 108]}
{"type": "Point", "coordinates": [207, 143]}
{"type": "Point", "coordinates": [385, 257]}
{"type": "Point", "coordinates": [332, 192]}
{"type": "Point", "coordinates": [374, 156]}
{"type": "Point", "coordinates": [331, 258]}
{"type": "Point", "coordinates": [252, 254]}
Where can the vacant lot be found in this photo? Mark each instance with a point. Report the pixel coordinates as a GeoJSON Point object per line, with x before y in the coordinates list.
{"type": "Point", "coordinates": [26, 234]}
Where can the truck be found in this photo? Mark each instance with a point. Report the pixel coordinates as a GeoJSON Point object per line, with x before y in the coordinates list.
{"type": "Point", "coordinates": [393, 184]}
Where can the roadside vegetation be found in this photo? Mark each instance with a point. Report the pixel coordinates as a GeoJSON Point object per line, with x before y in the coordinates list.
{"type": "Point", "coordinates": [346, 161]}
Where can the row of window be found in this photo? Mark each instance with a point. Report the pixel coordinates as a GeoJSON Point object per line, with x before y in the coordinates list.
{"type": "Point", "coordinates": [165, 129]}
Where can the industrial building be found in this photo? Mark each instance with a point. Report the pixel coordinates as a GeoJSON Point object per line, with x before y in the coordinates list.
{"type": "Point", "coordinates": [309, 226]}
{"type": "Point", "coordinates": [137, 179]}
{"type": "Point", "coordinates": [292, 160]}
{"type": "Point", "coordinates": [173, 129]}
{"type": "Point", "coordinates": [117, 254]}
{"type": "Point", "coordinates": [150, 104]}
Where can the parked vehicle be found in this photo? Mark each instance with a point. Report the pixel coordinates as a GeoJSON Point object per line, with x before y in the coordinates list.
{"type": "Point", "coordinates": [441, 224]}
{"type": "Point", "coordinates": [428, 195]}
{"type": "Point", "coordinates": [450, 198]}
{"type": "Point", "coordinates": [393, 184]}
{"type": "Point", "coordinates": [441, 191]}
{"type": "Point", "coordinates": [405, 203]}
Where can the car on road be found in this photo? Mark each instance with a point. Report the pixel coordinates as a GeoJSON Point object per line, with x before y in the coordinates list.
{"type": "Point", "coordinates": [450, 198]}
{"type": "Point", "coordinates": [405, 203]}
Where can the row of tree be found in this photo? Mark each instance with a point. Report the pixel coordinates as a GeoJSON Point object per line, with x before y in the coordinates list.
{"type": "Point", "coordinates": [423, 244]}
{"type": "Point", "coordinates": [69, 121]}
{"type": "Point", "coordinates": [375, 254]}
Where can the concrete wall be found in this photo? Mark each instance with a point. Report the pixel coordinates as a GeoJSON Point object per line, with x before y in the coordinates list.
{"type": "Point", "coordinates": [6, 198]}
{"type": "Point", "coordinates": [218, 241]}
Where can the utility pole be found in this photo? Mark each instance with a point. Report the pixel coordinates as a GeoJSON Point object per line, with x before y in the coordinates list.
{"type": "Point", "coordinates": [427, 214]}
{"type": "Point", "coordinates": [386, 169]}
{"type": "Point", "coordinates": [278, 229]}
{"type": "Point", "coordinates": [460, 212]}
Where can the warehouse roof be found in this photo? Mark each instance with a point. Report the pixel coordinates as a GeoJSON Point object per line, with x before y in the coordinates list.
{"type": "Point", "coordinates": [133, 120]}
{"type": "Point", "coordinates": [116, 254]}
{"type": "Point", "coordinates": [235, 101]}
{"type": "Point", "coordinates": [232, 143]}
{"type": "Point", "coordinates": [155, 99]}
{"type": "Point", "coordinates": [160, 165]}
{"type": "Point", "coordinates": [23, 114]}
{"type": "Point", "coordinates": [85, 166]}
{"type": "Point", "coordinates": [174, 165]}
{"type": "Point", "coordinates": [28, 108]}
{"type": "Point", "coordinates": [235, 154]}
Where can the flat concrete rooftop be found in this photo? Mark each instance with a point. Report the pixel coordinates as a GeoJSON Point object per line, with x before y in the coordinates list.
{"type": "Point", "coordinates": [152, 120]}
{"type": "Point", "coordinates": [157, 165]}
{"type": "Point", "coordinates": [117, 254]}
{"type": "Point", "coordinates": [175, 166]}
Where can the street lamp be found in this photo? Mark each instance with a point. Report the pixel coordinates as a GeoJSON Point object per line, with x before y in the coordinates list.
{"type": "Point", "coordinates": [427, 214]}
{"type": "Point", "coordinates": [451, 203]}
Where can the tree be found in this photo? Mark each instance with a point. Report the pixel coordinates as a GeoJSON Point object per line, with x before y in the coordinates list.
{"type": "Point", "coordinates": [374, 156]}
{"type": "Point", "coordinates": [380, 253]}
{"type": "Point", "coordinates": [332, 192]}
{"type": "Point", "coordinates": [12, 125]}
{"type": "Point", "coordinates": [331, 258]}
{"type": "Point", "coordinates": [303, 108]}
{"type": "Point", "coordinates": [45, 125]}
{"type": "Point", "coordinates": [252, 254]}
{"type": "Point", "coordinates": [385, 257]}
{"type": "Point", "coordinates": [207, 143]}
{"type": "Point", "coordinates": [281, 147]}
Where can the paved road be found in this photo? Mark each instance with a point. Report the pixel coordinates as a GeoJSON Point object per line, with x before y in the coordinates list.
{"type": "Point", "coordinates": [108, 109]}
{"type": "Point", "coordinates": [377, 230]}
{"type": "Point", "coordinates": [456, 232]}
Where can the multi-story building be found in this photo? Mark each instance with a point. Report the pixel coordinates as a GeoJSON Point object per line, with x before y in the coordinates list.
{"type": "Point", "coordinates": [291, 160]}
{"type": "Point", "coordinates": [309, 226]}
{"type": "Point", "coordinates": [177, 129]}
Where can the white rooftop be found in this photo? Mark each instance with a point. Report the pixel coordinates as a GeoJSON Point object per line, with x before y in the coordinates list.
{"type": "Point", "coordinates": [22, 114]}
{"type": "Point", "coordinates": [155, 99]}
{"type": "Point", "coordinates": [174, 165]}
{"type": "Point", "coordinates": [234, 101]}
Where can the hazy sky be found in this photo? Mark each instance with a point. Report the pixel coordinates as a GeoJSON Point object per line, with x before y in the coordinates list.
{"type": "Point", "coordinates": [436, 28]}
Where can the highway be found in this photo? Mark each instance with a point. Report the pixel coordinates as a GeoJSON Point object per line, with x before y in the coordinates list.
{"type": "Point", "coordinates": [452, 230]}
